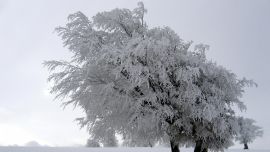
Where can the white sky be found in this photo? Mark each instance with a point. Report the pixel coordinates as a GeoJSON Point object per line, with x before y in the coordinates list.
{"type": "Point", "coordinates": [238, 32]}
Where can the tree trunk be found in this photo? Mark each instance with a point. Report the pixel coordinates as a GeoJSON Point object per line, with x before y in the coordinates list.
{"type": "Point", "coordinates": [245, 146]}
{"type": "Point", "coordinates": [174, 146]}
{"type": "Point", "coordinates": [199, 147]}
{"type": "Point", "coordinates": [150, 144]}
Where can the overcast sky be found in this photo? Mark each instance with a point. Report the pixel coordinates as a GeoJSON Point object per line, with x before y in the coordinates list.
{"type": "Point", "coordinates": [238, 32]}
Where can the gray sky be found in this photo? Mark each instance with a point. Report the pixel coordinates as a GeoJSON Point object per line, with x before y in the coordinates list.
{"type": "Point", "coordinates": [238, 32]}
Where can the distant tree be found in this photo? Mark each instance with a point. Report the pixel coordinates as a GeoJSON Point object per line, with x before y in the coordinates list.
{"type": "Point", "coordinates": [145, 84]}
{"type": "Point", "coordinates": [142, 138]}
{"type": "Point", "coordinates": [92, 143]}
{"type": "Point", "coordinates": [110, 139]}
{"type": "Point", "coordinates": [32, 144]}
{"type": "Point", "coordinates": [248, 131]}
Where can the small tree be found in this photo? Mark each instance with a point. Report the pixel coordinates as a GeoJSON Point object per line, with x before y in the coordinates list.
{"type": "Point", "coordinates": [110, 139]}
{"type": "Point", "coordinates": [92, 143]}
{"type": "Point", "coordinates": [141, 138]}
{"type": "Point", "coordinates": [248, 131]}
{"type": "Point", "coordinates": [131, 80]}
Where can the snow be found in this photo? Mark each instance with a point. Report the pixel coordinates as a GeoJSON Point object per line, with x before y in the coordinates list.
{"type": "Point", "coordinates": [76, 149]}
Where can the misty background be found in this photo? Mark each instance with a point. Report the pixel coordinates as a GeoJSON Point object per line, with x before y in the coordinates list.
{"type": "Point", "coordinates": [238, 33]}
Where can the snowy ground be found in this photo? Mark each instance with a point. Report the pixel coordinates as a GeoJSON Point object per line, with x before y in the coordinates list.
{"type": "Point", "coordinates": [55, 149]}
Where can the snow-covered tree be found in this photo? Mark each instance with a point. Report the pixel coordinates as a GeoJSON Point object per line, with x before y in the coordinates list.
{"type": "Point", "coordinates": [215, 124]}
{"type": "Point", "coordinates": [248, 131]}
{"type": "Point", "coordinates": [141, 138]}
{"type": "Point", "coordinates": [110, 139]}
{"type": "Point", "coordinates": [92, 143]}
{"type": "Point", "coordinates": [145, 84]}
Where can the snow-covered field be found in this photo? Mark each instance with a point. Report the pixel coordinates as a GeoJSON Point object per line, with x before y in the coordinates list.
{"type": "Point", "coordinates": [69, 149]}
